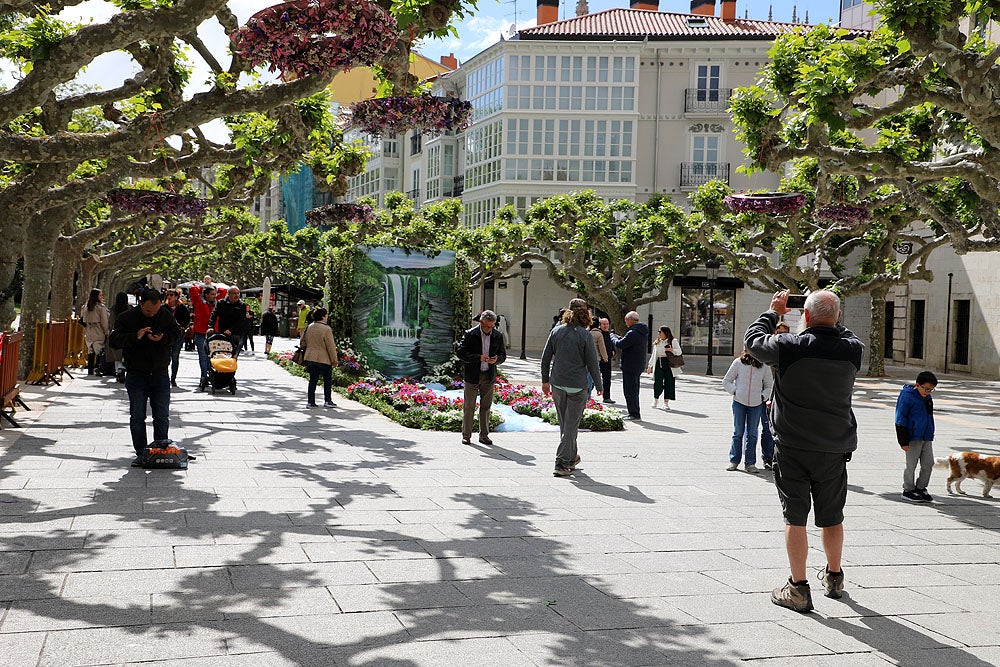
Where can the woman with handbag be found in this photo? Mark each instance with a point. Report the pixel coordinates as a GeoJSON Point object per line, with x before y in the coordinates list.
{"type": "Point", "coordinates": [320, 357]}
{"type": "Point", "coordinates": [750, 383]}
{"type": "Point", "coordinates": [94, 316]}
{"type": "Point", "coordinates": [664, 348]}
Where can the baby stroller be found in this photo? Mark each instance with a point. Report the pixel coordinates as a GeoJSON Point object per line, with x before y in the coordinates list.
{"type": "Point", "coordinates": [222, 363]}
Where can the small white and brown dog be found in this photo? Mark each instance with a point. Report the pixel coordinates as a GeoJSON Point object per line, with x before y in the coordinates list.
{"type": "Point", "coordinates": [970, 465]}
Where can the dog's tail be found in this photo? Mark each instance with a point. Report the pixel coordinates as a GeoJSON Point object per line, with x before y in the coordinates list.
{"type": "Point", "coordinates": [942, 463]}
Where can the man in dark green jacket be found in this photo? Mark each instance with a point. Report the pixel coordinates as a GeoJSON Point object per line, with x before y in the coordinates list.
{"type": "Point", "coordinates": [145, 333]}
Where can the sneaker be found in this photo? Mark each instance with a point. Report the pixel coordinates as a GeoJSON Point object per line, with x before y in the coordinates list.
{"type": "Point", "coordinates": [311, 405]}
{"type": "Point", "coordinates": [913, 496]}
{"type": "Point", "coordinates": [329, 404]}
{"type": "Point", "coordinates": [832, 583]}
{"type": "Point", "coordinates": [656, 404]}
{"type": "Point", "coordinates": [562, 470]}
{"type": "Point", "coordinates": [768, 465]}
{"type": "Point", "coordinates": [136, 462]}
{"type": "Point", "coordinates": [666, 406]}
{"type": "Point", "coordinates": [609, 400]}
{"type": "Point", "coordinates": [752, 468]}
{"type": "Point", "coordinates": [795, 597]}
{"type": "Point", "coordinates": [732, 467]}
{"type": "Point", "coordinates": [576, 462]}
{"type": "Point", "coordinates": [926, 496]}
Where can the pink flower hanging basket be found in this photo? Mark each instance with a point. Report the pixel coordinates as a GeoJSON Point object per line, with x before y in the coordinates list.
{"type": "Point", "coordinates": [843, 214]}
{"type": "Point", "coordinates": [314, 36]}
{"type": "Point", "coordinates": [333, 214]}
{"type": "Point", "coordinates": [424, 112]}
{"type": "Point", "coordinates": [154, 201]}
{"type": "Point", "coordinates": [769, 203]}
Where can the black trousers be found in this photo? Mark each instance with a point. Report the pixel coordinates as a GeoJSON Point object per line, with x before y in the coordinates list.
{"type": "Point", "coordinates": [606, 379]}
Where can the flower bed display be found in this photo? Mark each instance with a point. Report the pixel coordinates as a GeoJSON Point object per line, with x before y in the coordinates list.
{"type": "Point", "coordinates": [313, 36]}
{"type": "Point", "coordinates": [843, 214]}
{"type": "Point", "coordinates": [333, 214]}
{"type": "Point", "coordinates": [154, 201]}
{"type": "Point", "coordinates": [423, 112]}
{"type": "Point", "coordinates": [772, 203]}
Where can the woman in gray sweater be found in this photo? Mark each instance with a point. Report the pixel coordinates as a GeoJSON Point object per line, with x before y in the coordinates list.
{"type": "Point", "coordinates": [569, 355]}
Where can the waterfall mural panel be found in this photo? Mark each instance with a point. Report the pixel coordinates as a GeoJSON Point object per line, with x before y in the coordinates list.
{"type": "Point", "coordinates": [402, 310]}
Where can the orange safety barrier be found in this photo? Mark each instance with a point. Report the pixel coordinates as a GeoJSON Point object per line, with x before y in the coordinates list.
{"type": "Point", "coordinates": [10, 392]}
{"type": "Point", "coordinates": [39, 353]}
{"type": "Point", "coordinates": [54, 353]}
{"type": "Point", "coordinates": [76, 345]}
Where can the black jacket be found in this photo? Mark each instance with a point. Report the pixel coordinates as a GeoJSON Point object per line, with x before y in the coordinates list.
{"type": "Point", "coordinates": [633, 347]}
{"type": "Point", "coordinates": [181, 314]}
{"type": "Point", "coordinates": [269, 324]}
{"type": "Point", "coordinates": [814, 376]}
{"type": "Point", "coordinates": [609, 345]}
{"type": "Point", "coordinates": [471, 346]}
{"type": "Point", "coordinates": [143, 355]}
{"type": "Point", "coordinates": [229, 316]}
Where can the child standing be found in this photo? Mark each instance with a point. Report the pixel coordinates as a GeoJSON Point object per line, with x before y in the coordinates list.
{"type": "Point", "coordinates": [915, 434]}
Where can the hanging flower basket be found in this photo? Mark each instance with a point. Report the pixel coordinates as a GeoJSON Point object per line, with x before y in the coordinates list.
{"type": "Point", "coordinates": [424, 112]}
{"type": "Point", "coordinates": [153, 201]}
{"type": "Point", "coordinates": [844, 214]}
{"type": "Point", "coordinates": [314, 36]}
{"type": "Point", "coordinates": [773, 203]}
{"type": "Point", "coordinates": [333, 214]}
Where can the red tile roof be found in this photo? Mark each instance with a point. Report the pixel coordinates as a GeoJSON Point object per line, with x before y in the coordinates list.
{"type": "Point", "coordinates": [638, 23]}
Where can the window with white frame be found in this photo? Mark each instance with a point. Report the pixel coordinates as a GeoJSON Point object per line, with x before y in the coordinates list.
{"type": "Point", "coordinates": [433, 186]}
{"type": "Point", "coordinates": [484, 145]}
{"type": "Point", "coordinates": [482, 212]}
{"type": "Point", "coordinates": [708, 82]}
{"type": "Point", "coordinates": [705, 154]}
{"type": "Point", "coordinates": [484, 89]}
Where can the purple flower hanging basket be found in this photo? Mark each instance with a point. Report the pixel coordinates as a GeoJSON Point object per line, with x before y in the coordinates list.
{"type": "Point", "coordinates": [333, 214]}
{"type": "Point", "coordinates": [844, 214]}
{"type": "Point", "coordinates": [769, 203]}
{"type": "Point", "coordinates": [424, 112]}
{"type": "Point", "coordinates": [314, 36]}
{"type": "Point", "coordinates": [153, 201]}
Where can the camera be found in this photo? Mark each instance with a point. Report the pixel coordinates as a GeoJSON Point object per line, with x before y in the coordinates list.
{"type": "Point", "coordinates": [796, 301]}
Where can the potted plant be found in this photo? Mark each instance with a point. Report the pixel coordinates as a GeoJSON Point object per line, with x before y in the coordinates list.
{"type": "Point", "coordinates": [848, 215]}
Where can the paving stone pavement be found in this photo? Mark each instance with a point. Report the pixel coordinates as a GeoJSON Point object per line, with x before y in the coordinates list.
{"type": "Point", "coordinates": [335, 537]}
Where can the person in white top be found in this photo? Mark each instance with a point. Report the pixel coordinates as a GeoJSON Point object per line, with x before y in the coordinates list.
{"type": "Point", "coordinates": [664, 346]}
{"type": "Point", "coordinates": [750, 383]}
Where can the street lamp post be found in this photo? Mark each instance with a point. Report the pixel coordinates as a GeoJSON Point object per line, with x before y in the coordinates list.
{"type": "Point", "coordinates": [525, 279]}
{"type": "Point", "coordinates": [712, 271]}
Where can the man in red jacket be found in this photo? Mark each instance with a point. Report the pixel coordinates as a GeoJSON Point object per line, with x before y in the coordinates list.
{"type": "Point", "coordinates": [203, 298]}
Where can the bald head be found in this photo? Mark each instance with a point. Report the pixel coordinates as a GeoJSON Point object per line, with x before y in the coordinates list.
{"type": "Point", "coordinates": [822, 309]}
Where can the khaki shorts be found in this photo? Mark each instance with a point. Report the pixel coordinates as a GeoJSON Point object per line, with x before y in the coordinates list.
{"type": "Point", "coordinates": [804, 477]}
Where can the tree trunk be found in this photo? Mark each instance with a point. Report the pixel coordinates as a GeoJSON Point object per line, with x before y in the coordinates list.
{"type": "Point", "coordinates": [88, 271]}
{"type": "Point", "coordinates": [10, 254]}
{"type": "Point", "coordinates": [876, 337]}
{"type": "Point", "coordinates": [66, 256]}
{"type": "Point", "coordinates": [38, 255]}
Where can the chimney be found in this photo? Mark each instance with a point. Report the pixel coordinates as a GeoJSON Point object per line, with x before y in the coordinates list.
{"type": "Point", "coordinates": [728, 10]}
{"type": "Point", "coordinates": [548, 12]}
{"type": "Point", "coordinates": [450, 61]}
{"type": "Point", "coordinates": [644, 4]}
{"type": "Point", "coordinates": [703, 7]}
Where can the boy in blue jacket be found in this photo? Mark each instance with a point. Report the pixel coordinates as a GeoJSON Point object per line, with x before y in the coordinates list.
{"type": "Point", "coordinates": [915, 434]}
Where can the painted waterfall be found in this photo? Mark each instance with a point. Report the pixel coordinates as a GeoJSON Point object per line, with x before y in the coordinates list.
{"type": "Point", "coordinates": [403, 306]}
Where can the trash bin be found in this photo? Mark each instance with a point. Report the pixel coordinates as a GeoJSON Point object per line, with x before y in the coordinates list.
{"type": "Point", "coordinates": [283, 327]}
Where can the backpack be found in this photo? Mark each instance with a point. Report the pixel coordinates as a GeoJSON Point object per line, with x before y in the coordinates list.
{"type": "Point", "coordinates": [164, 454]}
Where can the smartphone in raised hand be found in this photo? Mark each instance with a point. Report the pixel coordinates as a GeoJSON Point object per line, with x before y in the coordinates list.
{"type": "Point", "coordinates": [796, 301]}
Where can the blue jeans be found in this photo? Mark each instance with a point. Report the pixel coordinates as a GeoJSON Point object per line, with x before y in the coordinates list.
{"type": "Point", "coordinates": [201, 343]}
{"type": "Point", "coordinates": [175, 357]}
{"type": "Point", "coordinates": [766, 439]}
{"type": "Point", "coordinates": [155, 388]}
{"type": "Point", "coordinates": [746, 420]}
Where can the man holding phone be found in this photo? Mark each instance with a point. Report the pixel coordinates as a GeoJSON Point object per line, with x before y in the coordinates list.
{"type": "Point", "coordinates": [815, 432]}
{"type": "Point", "coordinates": [145, 333]}
{"type": "Point", "coordinates": [480, 350]}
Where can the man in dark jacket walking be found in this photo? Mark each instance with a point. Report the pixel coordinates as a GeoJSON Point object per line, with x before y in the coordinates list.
{"type": "Point", "coordinates": [814, 429]}
{"type": "Point", "coordinates": [268, 328]}
{"type": "Point", "coordinates": [230, 318]}
{"type": "Point", "coordinates": [145, 333]}
{"type": "Point", "coordinates": [633, 360]}
{"type": "Point", "coordinates": [481, 350]}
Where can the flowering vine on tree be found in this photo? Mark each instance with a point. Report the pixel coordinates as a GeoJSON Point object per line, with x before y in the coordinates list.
{"type": "Point", "coordinates": [314, 36]}
{"type": "Point", "coordinates": [153, 201]}
{"type": "Point", "coordinates": [332, 214]}
{"type": "Point", "coordinates": [774, 203]}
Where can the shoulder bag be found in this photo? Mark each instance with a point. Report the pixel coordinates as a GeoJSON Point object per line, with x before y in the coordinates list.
{"type": "Point", "coordinates": [674, 360]}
